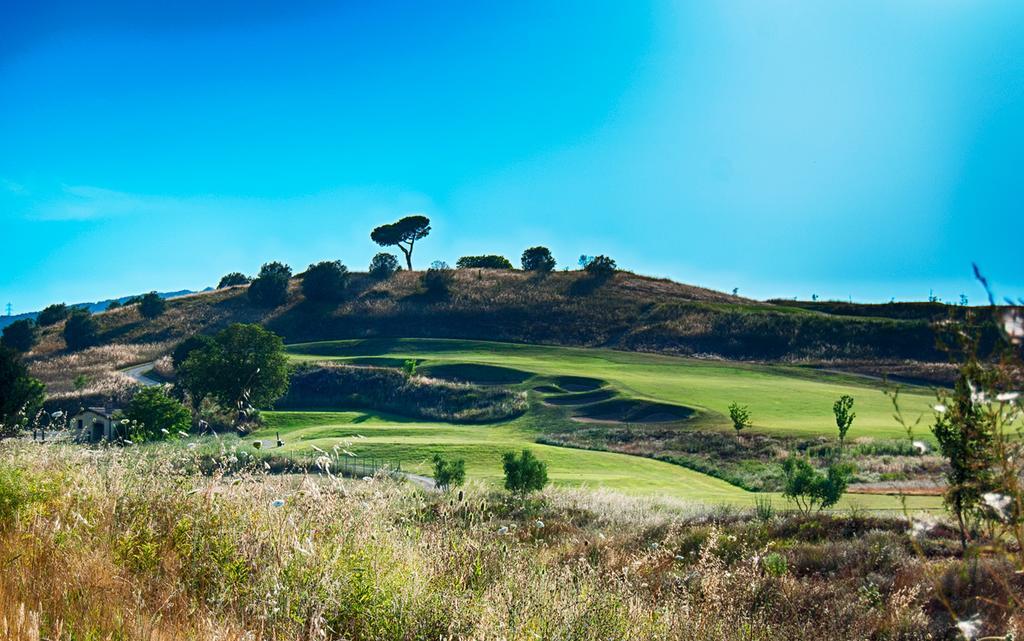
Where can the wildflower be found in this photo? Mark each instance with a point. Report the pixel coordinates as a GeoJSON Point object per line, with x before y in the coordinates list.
{"type": "Point", "coordinates": [1013, 325]}
{"type": "Point", "coordinates": [998, 502]}
{"type": "Point", "coordinates": [1008, 397]}
{"type": "Point", "coordinates": [921, 447]}
{"type": "Point", "coordinates": [277, 503]}
{"type": "Point", "coordinates": [940, 408]}
{"type": "Point", "coordinates": [182, 434]}
{"type": "Point", "coordinates": [193, 446]}
{"type": "Point", "coordinates": [57, 414]}
{"type": "Point", "coordinates": [920, 527]}
{"type": "Point", "coordinates": [163, 430]}
{"type": "Point", "coordinates": [367, 478]}
{"type": "Point", "coordinates": [318, 449]}
{"type": "Point", "coordinates": [503, 530]}
{"type": "Point", "coordinates": [978, 397]}
{"type": "Point", "coordinates": [539, 524]}
{"type": "Point", "coordinates": [970, 628]}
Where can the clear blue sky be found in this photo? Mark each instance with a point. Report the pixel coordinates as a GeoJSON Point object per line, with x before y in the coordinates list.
{"type": "Point", "coordinates": [864, 148]}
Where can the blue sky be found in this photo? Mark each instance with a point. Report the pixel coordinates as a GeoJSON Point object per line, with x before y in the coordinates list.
{"type": "Point", "coordinates": [865, 149]}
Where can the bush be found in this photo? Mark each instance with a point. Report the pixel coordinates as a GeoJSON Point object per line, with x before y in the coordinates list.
{"type": "Point", "coordinates": [52, 314]}
{"type": "Point", "coordinates": [600, 265]}
{"type": "Point", "coordinates": [81, 330]}
{"type": "Point", "coordinates": [187, 346]}
{"type": "Point", "coordinates": [21, 396]}
{"type": "Point", "coordinates": [808, 488]}
{"type": "Point", "coordinates": [537, 259]}
{"type": "Point", "coordinates": [155, 415]}
{"type": "Point", "coordinates": [233, 279]}
{"type": "Point", "coordinates": [383, 265]}
{"type": "Point", "coordinates": [325, 282]}
{"type": "Point", "coordinates": [449, 473]}
{"type": "Point", "coordinates": [270, 287]}
{"type": "Point", "coordinates": [490, 261]}
{"type": "Point", "coordinates": [21, 335]}
{"type": "Point", "coordinates": [151, 305]}
{"type": "Point", "coordinates": [437, 281]}
{"type": "Point", "coordinates": [525, 473]}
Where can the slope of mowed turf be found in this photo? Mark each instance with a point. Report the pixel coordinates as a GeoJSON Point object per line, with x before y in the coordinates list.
{"type": "Point", "coordinates": [781, 399]}
{"type": "Point", "coordinates": [414, 443]}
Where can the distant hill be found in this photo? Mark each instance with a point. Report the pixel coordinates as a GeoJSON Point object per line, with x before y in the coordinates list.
{"type": "Point", "coordinates": [625, 311]}
{"type": "Point", "coordinates": [96, 307]}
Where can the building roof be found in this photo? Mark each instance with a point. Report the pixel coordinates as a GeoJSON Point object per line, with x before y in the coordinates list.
{"type": "Point", "coordinates": [102, 411]}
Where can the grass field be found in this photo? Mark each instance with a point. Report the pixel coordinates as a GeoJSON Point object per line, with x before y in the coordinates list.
{"type": "Point", "coordinates": [784, 399]}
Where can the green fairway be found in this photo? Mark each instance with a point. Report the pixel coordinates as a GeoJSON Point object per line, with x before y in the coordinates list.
{"type": "Point", "coordinates": [782, 399]}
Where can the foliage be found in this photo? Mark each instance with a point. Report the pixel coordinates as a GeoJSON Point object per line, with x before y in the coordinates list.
{"type": "Point", "coordinates": [810, 489]}
{"type": "Point", "coordinates": [270, 287]}
{"type": "Point", "coordinates": [114, 304]}
{"type": "Point", "coordinates": [52, 314]}
{"type": "Point", "coordinates": [80, 330]}
{"type": "Point", "coordinates": [325, 282]}
{"type": "Point", "coordinates": [409, 367]}
{"type": "Point", "coordinates": [21, 335]}
{"type": "Point", "coordinates": [383, 265]}
{"type": "Point", "coordinates": [151, 305]}
{"type": "Point", "coordinates": [537, 259]}
{"type": "Point", "coordinates": [437, 281]}
{"type": "Point", "coordinates": [402, 234]}
{"type": "Point", "coordinates": [232, 279]}
{"type": "Point", "coordinates": [447, 473]}
{"type": "Point", "coordinates": [740, 416]}
{"type": "Point", "coordinates": [155, 415]}
{"type": "Point", "coordinates": [21, 396]}
{"type": "Point", "coordinates": [187, 346]}
{"type": "Point", "coordinates": [243, 367]}
{"type": "Point", "coordinates": [775, 564]}
{"type": "Point", "coordinates": [600, 266]}
{"type": "Point", "coordinates": [525, 473]}
{"type": "Point", "coordinates": [489, 261]}
{"type": "Point", "coordinates": [843, 411]}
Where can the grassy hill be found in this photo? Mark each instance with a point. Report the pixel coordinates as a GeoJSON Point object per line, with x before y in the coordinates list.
{"type": "Point", "coordinates": [626, 311]}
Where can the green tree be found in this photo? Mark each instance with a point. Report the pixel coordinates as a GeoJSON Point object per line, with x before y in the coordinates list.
{"type": "Point", "coordinates": [489, 261]}
{"type": "Point", "coordinates": [270, 287]}
{"type": "Point", "coordinates": [537, 259]}
{"type": "Point", "coordinates": [600, 266]}
{"type": "Point", "coordinates": [325, 282]}
{"type": "Point", "coordinates": [449, 473]}
{"type": "Point", "coordinates": [809, 488]}
{"type": "Point", "coordinates": [402, 234]}
{"type": "Point", "coordinates": [114, 304]}
{"type": "Point", "coordinates": [525, 473]}
{"type": "Point", "coordinates": [152, 305]}
{"type": "Point", "coordinates": [244, 366]}
{"type": "Point", "coordinates": [21, 396]}
{"type": "Point", "coordinates": [156, 415]}
{"type": "Point", "coordinates": [740, 415]}
{"type": "Point", "coordinates": [21, 335]}
{"type": "Point", "coordinates": [233, 279]}
{"type": "Point", "coordinates": [383, 265]}
{"type": "Point", "coordinates": [52, 314]}
{"type": "Point", "coordinates": [81, 330]}
{"type": "Point", "coordinates": [965, 436]}
{"type": "Point", "coordinates": [187, 346]}
{"type": "Point", "coordinates": [843, 411]}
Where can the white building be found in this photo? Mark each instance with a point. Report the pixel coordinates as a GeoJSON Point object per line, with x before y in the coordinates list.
{"type": "Point", "coordinates": [96, 424]}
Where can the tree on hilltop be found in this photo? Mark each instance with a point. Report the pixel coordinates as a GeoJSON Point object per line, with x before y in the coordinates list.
{"type": "Point", "coordinates": [52, 314]}
{"type": "Point", "coordinates": [383, 266]}
{"type": "Point", "coordinates": [325, 281]}
{"type": "Point", "coordinates": [537, 259]}
{"type": "Point", "coordinates": [402, 234]}
{"type": "Point", "coordinates": [233, 279]}
{"type": "Point", "coordinates": [151, 305]}
{"type": "Point", "coordinates": [270, 287]}
{"type": "Point", "coordinates": [489, 261]}
{"type": "Point", "coordinates": [81, 330]}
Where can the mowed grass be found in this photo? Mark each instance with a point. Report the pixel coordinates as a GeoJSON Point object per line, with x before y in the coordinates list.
{"type": "Point", "coordinates": [782, 399]}
{"type": "Point", "coordinates": [413, 443]}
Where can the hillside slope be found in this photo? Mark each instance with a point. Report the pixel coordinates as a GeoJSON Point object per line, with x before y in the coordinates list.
{"type": "Point", "coordinates": [626, 311]}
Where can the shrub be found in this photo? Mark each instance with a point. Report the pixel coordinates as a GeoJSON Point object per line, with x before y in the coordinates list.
{"type": "Point", "coordinates": [325, 282]}
{"type": "Point", "coordinates": [156, 415]}
{"type": "Point", "coordinates": [151, 305]}
{"type": "Point", "coordinates": [21, 335]}
{"type": "Point", "coordinates": [437, 281]}
{"type": "Point", "coordinates": [114, 304]}
{"type": "Point", "coordinates": [740, 415]}
{"type": "Point", "coordinates": [233, 279]}
{"type": "Point", "coordinates": [449, 473]}
{"type": "Point", "coordinates": [52, 314]}
{"type": "Point", "coordinates": [270, 287]}
{"type": "Point", "coordinates": [21, 396]}
{"type": "Point", "coordinates": [383, 265]}
{"type": "Point", "coordinates": [525, 473]}
{"type": "Point", "coordinates": [81, 330]}
{"type": "Point", "coordinates": [808, 488]}
{"type": "Point", "coordinates": [600, 265]}
{"type": "Point", "coordinates": [187, 346]}
{"type": "Point", "coordinates": [537, 259]}
{"type": "Point", "coordinates": [775, 565]}
{"type": "Point", "coordinates": [489, 261]}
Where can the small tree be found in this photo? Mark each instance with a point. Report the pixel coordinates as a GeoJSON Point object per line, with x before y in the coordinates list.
{"type": "Point", "coordinates": [437, 280]}
{"type": "Point", "coordinates": [843, 410]}
{"type": "Point", "coordinates": [151, 305]}
{"type": "Point", "coordinates": [21, 335]}
{"type": "Point", "coordinates": [52, 314]}
{"type": "Point", "coordinates": [449, 473]}
{"type": "Point", "coordinates": [525, 473]}
{"type": "Point", "coordinates": [270, 287]}
{"type": "Point", "coordinates": [156, 415]}
{"type": "Point", "coordinates": [537, 259]}
{"type": "Point", "coordinates": [403, 235]}
{"type": "Point", "coordinates": [187, 346]}
{"type": "Point", "coordinates": [81, 330]}
{"type": "Point", "coordinates": [740, 415]}
{"type": "Point", "coordinates": [233, 279]}
{"type": "Point", "coordinates": [489, 261]}
{"type": "Point", "coordinates": [383, 265]}
{"type": "Point", "coordinates": [600, 266]}
{"type": "Point", "coordinates": [325, 282]}
{"type": "Point", "coordinates": [21, 396]}
{"type": "Point", "coordinates": [409, 367]}
{"type": "Point", "coordinates": [810, 489]}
